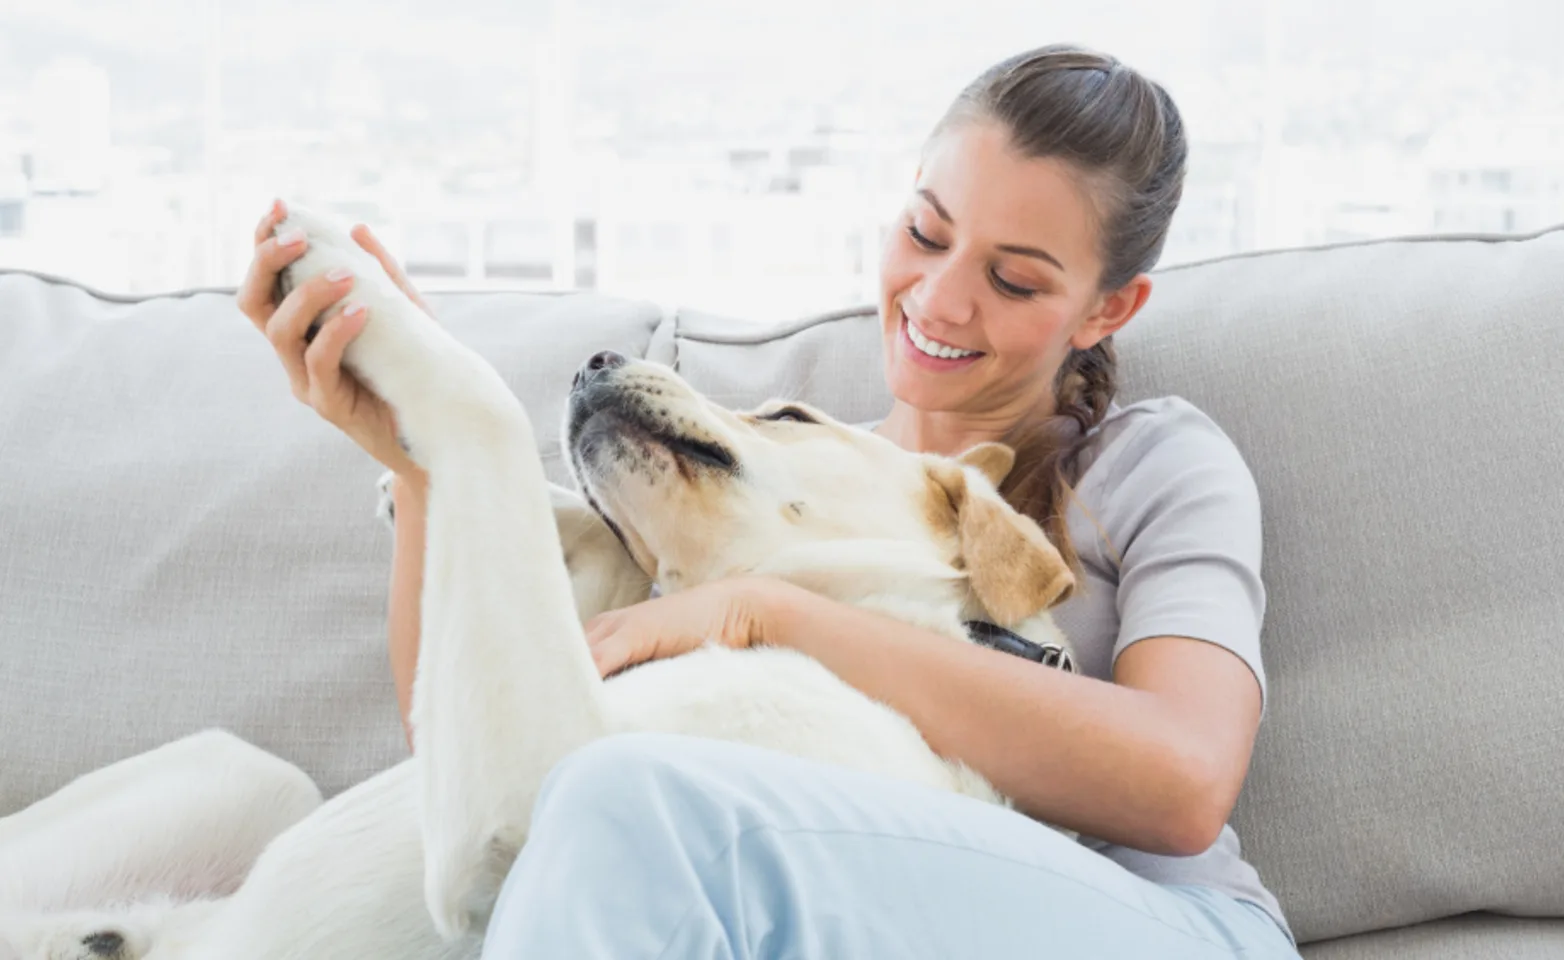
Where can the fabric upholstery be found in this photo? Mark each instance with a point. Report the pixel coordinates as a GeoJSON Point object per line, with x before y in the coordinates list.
{"type": "Point", "coordinates": [1476, 936]}
{"type": "Point", "coordinates": [184, 545]}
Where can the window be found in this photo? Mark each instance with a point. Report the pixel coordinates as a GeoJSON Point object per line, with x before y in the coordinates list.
{"type": "Point", "coordinates": [696, 150]}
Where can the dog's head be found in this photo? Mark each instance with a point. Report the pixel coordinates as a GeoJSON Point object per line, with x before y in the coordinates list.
{"type": "Point", "coordinates": [698, 492]}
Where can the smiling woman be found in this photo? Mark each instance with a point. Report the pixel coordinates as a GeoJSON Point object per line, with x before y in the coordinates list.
{"type": "Point", "coordinates": [1042, 200]}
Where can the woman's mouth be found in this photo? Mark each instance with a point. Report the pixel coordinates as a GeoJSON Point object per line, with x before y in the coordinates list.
{"type": "Point", "coordinates": [930, 354]}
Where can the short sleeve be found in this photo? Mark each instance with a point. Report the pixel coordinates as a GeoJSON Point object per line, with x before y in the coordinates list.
{"type": "Point", "coordinates": [1186, 521]}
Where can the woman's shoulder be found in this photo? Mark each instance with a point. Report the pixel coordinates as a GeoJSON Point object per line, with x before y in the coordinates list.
{"type": "Point", "coordinates": [1156, 417]}
{"type": "Point", "coordinates": [1158, 440]}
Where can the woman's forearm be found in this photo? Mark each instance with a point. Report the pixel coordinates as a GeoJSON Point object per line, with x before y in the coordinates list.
{"type": "Point", "coordinates": [1088, 755]}
{"type": "Point", "coordinates": [409, 497]}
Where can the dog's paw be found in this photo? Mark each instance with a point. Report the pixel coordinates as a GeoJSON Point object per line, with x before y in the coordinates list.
{"type": "Point", "coordinates": [330, 245]}
{"type": "Point", "coordinates": [434, 383]}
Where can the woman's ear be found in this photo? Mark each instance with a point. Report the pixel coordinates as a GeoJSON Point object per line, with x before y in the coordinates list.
{"type": "Point", "coordinates": [1116, 309]}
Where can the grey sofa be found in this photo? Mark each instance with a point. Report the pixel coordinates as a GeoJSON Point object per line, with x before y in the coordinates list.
{"type": "Point", "coordinates": [185, 546]}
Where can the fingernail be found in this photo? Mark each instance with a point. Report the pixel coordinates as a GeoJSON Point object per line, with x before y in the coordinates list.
{"type": "Point", "coordinates": [353, 310]}
{"type": "Point", "coordinates": [289, 237]}
{"type": "Point", "coordinates": [338, 274]}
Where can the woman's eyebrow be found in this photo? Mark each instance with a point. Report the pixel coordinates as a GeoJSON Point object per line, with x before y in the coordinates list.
{"type": "Point", "coordinates": [1024, 251]}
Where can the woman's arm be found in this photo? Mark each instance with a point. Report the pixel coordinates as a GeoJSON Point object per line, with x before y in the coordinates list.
{"type": "Point", "coordinates": [1152, 762]}
{"type": "Point", "coordinates": [409, 496]}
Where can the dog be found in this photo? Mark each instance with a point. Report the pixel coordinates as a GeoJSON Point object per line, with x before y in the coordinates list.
{"type": "Point", "coordinates": [673, 490]}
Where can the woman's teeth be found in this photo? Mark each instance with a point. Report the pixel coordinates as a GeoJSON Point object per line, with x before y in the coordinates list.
{"type": "Point", "coordinates": [933, 349]}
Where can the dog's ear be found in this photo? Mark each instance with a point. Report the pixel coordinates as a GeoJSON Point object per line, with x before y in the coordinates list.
{"type": "Point", "coordinates": [992, 460]}
{"type": "Point", "coordinates": [1013, 568]}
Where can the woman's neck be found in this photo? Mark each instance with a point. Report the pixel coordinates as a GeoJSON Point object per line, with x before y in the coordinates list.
{"type": "Point", "coordinates": [945, 432]}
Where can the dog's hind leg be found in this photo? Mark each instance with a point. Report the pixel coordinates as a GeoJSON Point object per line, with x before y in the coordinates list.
{"type": "Point", "coordinates": [505, 685]}
{"type": "Point", "coordinates": [185, 820]}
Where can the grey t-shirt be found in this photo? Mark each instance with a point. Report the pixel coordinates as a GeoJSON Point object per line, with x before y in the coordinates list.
{"type": "Point", "coordinates": [1166, 522]}
{"type": "Point", "coordinates": [1174, 551]}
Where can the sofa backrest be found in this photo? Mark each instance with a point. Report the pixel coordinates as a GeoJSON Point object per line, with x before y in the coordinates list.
{"type": "Point", "coordinates": [186, 546]}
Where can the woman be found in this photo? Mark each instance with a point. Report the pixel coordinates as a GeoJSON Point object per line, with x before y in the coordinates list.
{"type": "Point", "coordinates": [1043, 199]}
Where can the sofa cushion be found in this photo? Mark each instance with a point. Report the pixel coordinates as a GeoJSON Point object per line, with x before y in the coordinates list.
{"type": "Point", "coordinates": [1476, 936]}
{"type": "Point", "coordinates": [1400, 405]}
{"type": "Point", "coordinates": [832, 360]}
{"type": "Point", "coordinates": [185, 545]}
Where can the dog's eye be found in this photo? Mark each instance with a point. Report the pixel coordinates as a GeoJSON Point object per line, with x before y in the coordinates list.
{"type": "Point", "coordinates": [790, 413]}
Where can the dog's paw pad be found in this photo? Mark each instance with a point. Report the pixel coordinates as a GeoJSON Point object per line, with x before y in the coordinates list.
{"type": "Point", "coordinates": [106, 943]}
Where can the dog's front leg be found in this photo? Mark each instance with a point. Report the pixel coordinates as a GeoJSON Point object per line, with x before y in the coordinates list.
{"type": "Point", "coordinates": [505, 685]}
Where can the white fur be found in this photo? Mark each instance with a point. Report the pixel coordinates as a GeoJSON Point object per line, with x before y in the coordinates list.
{"type": "Point", "coordinates": [408, 863]}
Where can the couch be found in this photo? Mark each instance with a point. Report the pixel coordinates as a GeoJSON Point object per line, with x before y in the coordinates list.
{"type": "Point", "coordinates": [186, 546]}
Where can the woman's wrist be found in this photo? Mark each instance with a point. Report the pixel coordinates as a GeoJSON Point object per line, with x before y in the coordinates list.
{"type": "Point", "coordinates": [411, 484]}
{"type": "Point", "coordinates": [776, 605]}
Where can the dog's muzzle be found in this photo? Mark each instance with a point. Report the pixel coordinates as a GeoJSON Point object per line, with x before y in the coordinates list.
{"type": "Point", "coordinates": [631, 413]}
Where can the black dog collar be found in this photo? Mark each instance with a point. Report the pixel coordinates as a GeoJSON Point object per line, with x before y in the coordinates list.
{"type": "Point", "coordinates": [997, 637]}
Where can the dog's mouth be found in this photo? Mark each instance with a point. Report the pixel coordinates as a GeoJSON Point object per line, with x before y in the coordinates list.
{"type": "Point", "coordinates": [702, 452]}
{"type": "Point", "coordinates": [689, 453]}
{"type": "Point", "coordinates": [610, 436]}
{"type": "Point", "coordinates": [610, 418]}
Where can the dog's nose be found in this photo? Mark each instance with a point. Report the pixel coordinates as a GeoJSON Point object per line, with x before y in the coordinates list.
{"type": "Point", "coordinates": [104, 943]}
{"type": "Point", "coordinates": [595, 365]}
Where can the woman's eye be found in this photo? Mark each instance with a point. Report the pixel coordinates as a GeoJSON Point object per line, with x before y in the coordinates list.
{"type": "Point", "coordinates": [922, 241]}
{"type": "Point", "coordinates": [1010, 289]}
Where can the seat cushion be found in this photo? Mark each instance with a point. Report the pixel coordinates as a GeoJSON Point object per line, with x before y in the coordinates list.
{"type": "Point", "coordinates": [1476, 936]}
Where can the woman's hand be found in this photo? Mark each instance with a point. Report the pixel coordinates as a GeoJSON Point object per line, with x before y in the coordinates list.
{"type": "Point", "coordinates": [315, 367]}
{"type": "Point", "coordinates": [734, 612]}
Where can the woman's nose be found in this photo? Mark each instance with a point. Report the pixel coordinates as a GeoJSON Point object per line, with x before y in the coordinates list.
{"type": "Point", "coordinates": [942, 295]}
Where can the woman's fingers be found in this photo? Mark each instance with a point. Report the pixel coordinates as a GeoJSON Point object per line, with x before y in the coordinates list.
{"type": "Point", "coordinates": [612, 646]}
{"type": "Point", "coordinates": [614, 653]}
{"type": "Point", "coordinates": [254, 296]}
{"type": "Point", "coordinates": [274, 216]}
{"type": "Point", "coordinates": [344, 401]}
{"type": "Point", "coordinates": [289, 328]}
{"type": "Point", "coordinates": [330, 393]}
{"type": "Point", "coordinates": [365, 238]}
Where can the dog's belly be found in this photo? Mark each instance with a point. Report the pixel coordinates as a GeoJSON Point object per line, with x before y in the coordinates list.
{"type": "Point", "coordinates": [348, 880]}
{"type": "Point", "coordinates": [785, 701]}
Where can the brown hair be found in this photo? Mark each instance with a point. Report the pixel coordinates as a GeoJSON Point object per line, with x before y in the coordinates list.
{"type": "Point", "coordinates": [1122, 133]}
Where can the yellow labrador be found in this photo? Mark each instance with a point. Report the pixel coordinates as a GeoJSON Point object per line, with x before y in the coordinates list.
{"type": "Point", "coordinates": [675, 490]}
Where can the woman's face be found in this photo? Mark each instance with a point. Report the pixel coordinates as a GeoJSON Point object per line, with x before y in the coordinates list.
{"type": "Point", "coordinates": [993, 263]}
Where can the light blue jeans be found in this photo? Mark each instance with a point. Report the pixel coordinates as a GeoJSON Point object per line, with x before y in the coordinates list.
{"type": "Point", "coordinates": [658, 846]}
